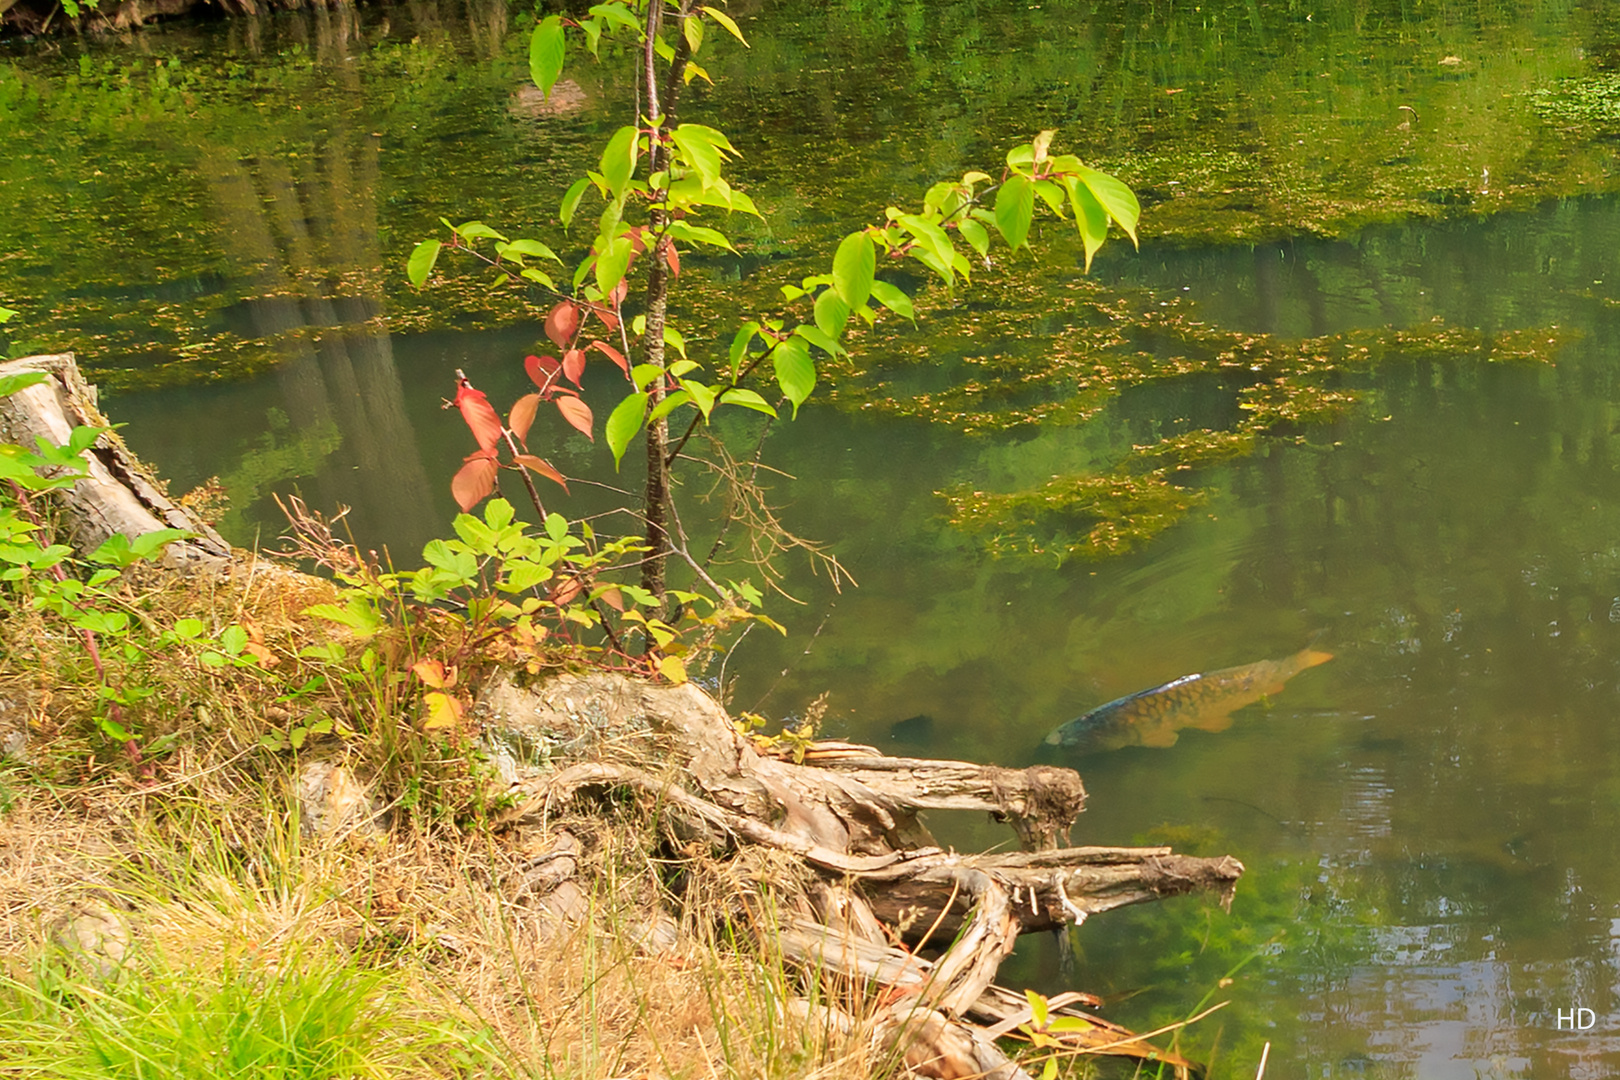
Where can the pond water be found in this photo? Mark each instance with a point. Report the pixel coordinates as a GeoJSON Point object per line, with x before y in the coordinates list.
{"type": "Point", "coordinates": [216, 218]}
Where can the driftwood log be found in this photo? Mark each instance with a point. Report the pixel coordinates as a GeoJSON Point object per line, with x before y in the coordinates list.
{"type": "Point", "coordinates": [879, 902]}
{"type": "Point", "coordinates": [882, 891]}
{"type": "Point", "coordinates": [119, 495]}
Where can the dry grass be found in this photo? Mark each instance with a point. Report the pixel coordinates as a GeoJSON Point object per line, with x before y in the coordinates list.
{"type": "Point", "coordinates": [215, 875]}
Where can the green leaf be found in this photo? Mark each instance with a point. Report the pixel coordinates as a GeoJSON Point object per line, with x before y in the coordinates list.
{"type": "Point", "coordinates": [703, 395]}
{"type": "Point", "coordinates": [7, 314]}
{"type": "Point", "coordinates": [611, 263]}
{"type": "Point", "coordinates": [739, 345]}
{"type": "Point", "coordinates": [818, 337]}
{"type": "Point", "coordinates": [933, 242]}
{"type": "Point", "coordinates": [570, 201]}
{"type": "Point", "coordinates": [476, 230]}
{"type": "Point", "coordinates": [546, 51]}
{"type": "Point", "coordinates": [854, 267]}
{"type": "Point", "coordinates": [10, 384]}
{"type": "Point", "coordinates": [692, 30]}
{"type": "Point", "coordinates": [459, 563]}
{"type": "Point", "coordinates": [748, 400]}
{"type": "Point", "coordinates": [619, 15]}
{"type": "Point", "coordinates": [894, 299]}
{"type": "Point", "coordinates": [698, 151]}
{"type": "Point", "coordinates": [699, 234]}
{"type": "Point", "coordinates": [233, 640]}
{"type": "Point", "coordinates": [420, 264]}
{"type": "Point", "coordinates": [1051, 194]}
{"type": "Point", "coordinates": [726, 21]}
{"type": "Point", "coordinates": [1116, 198]}
{"type": "Point", "coordinates": [831, 313]}
{"type": "Point", "coordinates": [619, 160]}
{"type": "Point", "coordinates": [670, 403]}
{"type": "Point", "coordinates": [623, 424]}
{"type": "Point", "coordinates": [1015, 208]}
{"type": "Point", "coordinates": [1089, 216]}
{"type": "Point", "coordinates": [498, 513]}
{"type": "Point", "coordinates": [976, 235]}
{"type": "Point", "coordinates": [189, 629]}
{"type": "Point", "coordinates": [532, 248]}
{"type": "Point", "coordinates": [539, 277]}
{"type": "Point", "coordinates": [795, 373]}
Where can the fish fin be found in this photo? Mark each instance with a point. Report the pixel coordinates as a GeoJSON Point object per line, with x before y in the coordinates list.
{"type": "Point", "coordinates": [1309, 658]}
{"type": "Point", "coordinates": [1159, 738]}
{"type": "Point", "coordinates": [1213, 722]}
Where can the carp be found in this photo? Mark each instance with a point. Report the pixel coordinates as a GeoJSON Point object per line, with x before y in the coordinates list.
{"type": "Point", "coordinates": [1207, 701]}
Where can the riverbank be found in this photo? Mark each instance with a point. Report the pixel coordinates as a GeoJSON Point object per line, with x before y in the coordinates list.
{"type": "Point", "coordinates": [232, 791]}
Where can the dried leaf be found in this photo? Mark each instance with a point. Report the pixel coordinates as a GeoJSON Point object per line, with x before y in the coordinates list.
{"type": "Point", "coordinates": [480, 415]}
{"type": "Point", "coordinates": [566, 591]}
{"type": "Point", "coordinates": [476, 479]}
{"type": "Point", "coordinates": [543, 467]}
{"type": "Point", "coordinates": [543, 371]}
{"type": "Point", "coordinates": [578, 414]}
{"type": "Point", "coordinates": [562, 323]}
{"type": "Point", "coordinates": [573, 365]}
{"type": "Point", "coordinates": [443, 711]}
{"type": "Point", "coordinates": [522, 417]}
{"type": "Point", "coordinates": [612, 354]}
{"type": "Point", "coordinates": [430, 672]}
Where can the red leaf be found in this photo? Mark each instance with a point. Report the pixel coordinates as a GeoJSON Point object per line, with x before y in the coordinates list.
{"type": "Point", "coordinates": [543, 467]}
{"type": "Point", "coordinates": [614, 599]}
{"type": "Point", "coordinates": [480, 415]}
{"type": "Point", "coordinates": [612, 354]}
{"type": "Point", "coordinates": [573, 365]}
{"type": "Point", "coordinates": [577, 413]}
{"type": "Point", "coordinates": [672, 257]}
{"type": "Point", "coordinates": [637, 243]}
{"type": "Point", "coordinates": [522, 416]}
{"type": "Point", "coordinates": [606, 314]}
{"type": "Point", "coordinates": [543, 370]}
{"type": "Point", "coordinates": [475, 481]}
{"type": "Point", "coordinates": [563, 323]}
{"type": "Point", "coordinates": [620, 291]}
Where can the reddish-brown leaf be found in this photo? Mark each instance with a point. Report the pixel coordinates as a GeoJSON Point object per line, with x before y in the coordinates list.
{"type": "Point", "coordinates": [620, 291]}
{"type": "Point", "coordinates": [544, 371]}
{"type": "Point", "coordinates": [480, 415]}
{"type": "Point", "coordinates": [673, 258]}
{"type": "Point", "coordinates": [577, 413]}
{"type": "Point", "coordinates": [543, 467]}
{"type": "Point", "coordinates": [475, 480]}
{"type": "Point", "coordinates": [563, 323]}
{"type": "Point", "coordinates": [607, 315]}
{"type": "Point", "coordinates": [612, 354]}
{"type": "Point", "coordinates": [573, 365]}
{"type": "Point", "coordinates": [566, 591]}
{"type": "Point", "coordinates": [522, 416]}
{"type": "Point", "coordinates": [613, 598]}
{"type": "Point", "coordinates": [638, 242]}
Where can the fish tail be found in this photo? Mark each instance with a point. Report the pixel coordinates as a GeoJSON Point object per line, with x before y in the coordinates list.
{"type": "Point", "coordinates": [1309, 657]}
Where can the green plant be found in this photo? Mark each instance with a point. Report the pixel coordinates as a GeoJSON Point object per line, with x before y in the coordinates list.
{"type": "Point", "coordinates": [655, 180]}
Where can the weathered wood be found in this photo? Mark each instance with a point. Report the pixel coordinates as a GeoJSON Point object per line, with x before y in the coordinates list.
{"type": "Point", "coordinates": [118, 495]}
{"type": "Point", "coordinates": [851, 815]}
